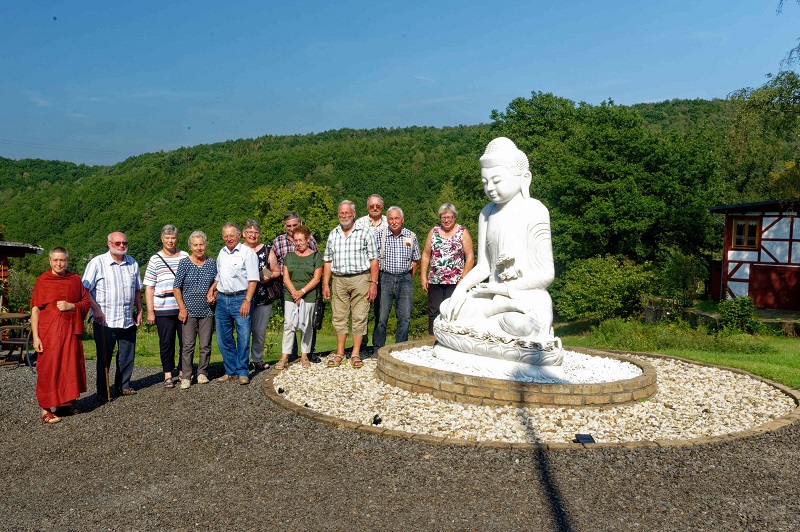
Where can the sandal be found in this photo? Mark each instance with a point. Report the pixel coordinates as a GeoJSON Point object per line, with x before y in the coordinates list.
{"type": "Point", "coordinates": [282, 364]}
{"type": "Point", "coordinates": [305, 362]}
{"type": "Point", "coordinates": [336, 361]}
{"type": "Point", "coordinates": [356, 361]}
{"type": "Point", "coordinates": [168, 383]}
{"type": "Point", "coordinates": [50, 418]}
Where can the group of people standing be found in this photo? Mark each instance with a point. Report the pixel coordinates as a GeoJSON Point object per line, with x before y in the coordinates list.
{"type": "Point", "coordinates": [367, 261]}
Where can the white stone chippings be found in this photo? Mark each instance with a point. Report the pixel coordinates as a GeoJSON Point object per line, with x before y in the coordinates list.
{"type": "Point", "coordinates": [578, 368]}
{"type": "Point", "coordinates": [692, 401]}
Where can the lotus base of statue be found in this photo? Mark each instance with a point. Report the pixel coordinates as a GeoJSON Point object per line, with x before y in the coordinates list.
{"type": "Point", "coordinates": [499, 355]}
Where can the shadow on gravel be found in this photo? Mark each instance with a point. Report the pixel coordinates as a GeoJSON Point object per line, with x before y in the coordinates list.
{"type": "Point", "coordinates": [146, 382]}
{"type": "Point", "coordinates": [554, 498]}
{"type": "Point", "coordinates": [553, 494]}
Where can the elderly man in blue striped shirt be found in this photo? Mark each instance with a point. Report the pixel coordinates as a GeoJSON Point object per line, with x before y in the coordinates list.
{"type": "Point", "coordinates": [113, 280]}
{"type": "Point", "coordinates": [399, 260]}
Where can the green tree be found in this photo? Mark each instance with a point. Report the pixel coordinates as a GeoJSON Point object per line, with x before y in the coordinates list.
{"type": "Point", "coordinates": [612, 186]}
{"type": "Point", "coordinates": [762, 148]}
{"type": "Point", "coordinates": [602, 287]}
{"type": "Point", "coordinates": [313, 203]}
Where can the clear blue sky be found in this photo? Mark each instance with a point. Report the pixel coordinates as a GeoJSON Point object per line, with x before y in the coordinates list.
{"type": "Point", "coordinates": [96, 82]}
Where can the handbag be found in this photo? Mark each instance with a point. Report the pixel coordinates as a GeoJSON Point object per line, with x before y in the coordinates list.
{"type": "Point", "coordinates": [274, 289]}
{"type": "Point", "coordinates": [319, 312]}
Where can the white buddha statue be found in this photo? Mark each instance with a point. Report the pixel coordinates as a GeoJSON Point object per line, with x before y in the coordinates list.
{"type": "Point", "coordinates": [501, 308]}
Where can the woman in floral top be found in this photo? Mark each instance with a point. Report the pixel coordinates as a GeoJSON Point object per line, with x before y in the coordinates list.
{"type": "Point", "coordinates": [447, 257]}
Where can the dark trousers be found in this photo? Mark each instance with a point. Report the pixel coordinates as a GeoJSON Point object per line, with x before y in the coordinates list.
{"type": "Point", "coordinates": [168, 328]}
{"type": "Point", "coordinates": [436, 294]}
{"type": "Point", "coordinates": [106, 339]}
{"type": "Point", "coordinates": [375, 313]}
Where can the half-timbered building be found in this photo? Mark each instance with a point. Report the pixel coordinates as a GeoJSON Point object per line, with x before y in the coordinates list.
{"type": "Point", "coordinates": [761, 256]}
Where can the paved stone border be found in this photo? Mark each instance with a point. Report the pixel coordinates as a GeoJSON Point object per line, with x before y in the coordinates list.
{"type": "Point", "coordinates": [486, 391]}
{"type": "Point", "coordinates": [268, 389]}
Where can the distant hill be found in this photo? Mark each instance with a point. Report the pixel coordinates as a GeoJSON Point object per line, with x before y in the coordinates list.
{"type": "Point", "coordinates": [55, 203]}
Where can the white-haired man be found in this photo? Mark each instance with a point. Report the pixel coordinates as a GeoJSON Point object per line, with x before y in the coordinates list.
{"type": "Point", "coordinates": [115, 285]}
{"type": "Point", "coordinates": [351, 261]}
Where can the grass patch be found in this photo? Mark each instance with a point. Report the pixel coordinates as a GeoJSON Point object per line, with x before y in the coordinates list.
{"type": "Point", "coordinates": [147, 350]}
{"type": "Point", "coordinates": [774, 357]}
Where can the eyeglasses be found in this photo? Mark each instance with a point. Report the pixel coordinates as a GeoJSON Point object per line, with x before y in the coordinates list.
{"type": "Point", "coordinates": [252, 232]}
{"type": "Point", "coordinates": [120, 243]}
{"type": "Point", "coordinates": [375, 206]}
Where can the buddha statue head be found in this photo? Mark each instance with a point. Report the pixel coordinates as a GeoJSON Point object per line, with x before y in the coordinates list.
{"type": "Point", "coordinates": [504, 171]}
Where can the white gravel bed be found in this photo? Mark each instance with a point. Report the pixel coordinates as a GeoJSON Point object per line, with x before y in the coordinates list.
{"type": "Point", "coordinates": [692, 401]}
{"type": "Point", "coordinates": [578, 368]}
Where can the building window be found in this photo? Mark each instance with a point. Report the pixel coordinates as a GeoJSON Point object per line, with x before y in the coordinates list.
{"type": "Point", "coordinates": [746, 232]}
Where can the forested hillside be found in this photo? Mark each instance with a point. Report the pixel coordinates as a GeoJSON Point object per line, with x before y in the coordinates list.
{"type": "Point", "coordinates": [631, 182]}
{"type": "Point", "coordinates": [202, 187]}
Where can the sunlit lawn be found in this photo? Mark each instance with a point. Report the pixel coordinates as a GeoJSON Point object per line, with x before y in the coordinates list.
{"type": "Point", "coordinates": [777, 358]}
{"type": "Point", "coordinates": [147, 345]}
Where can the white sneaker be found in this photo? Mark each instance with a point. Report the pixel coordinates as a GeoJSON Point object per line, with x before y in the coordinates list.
{"type": "Point", "coordinates": [185, 383]}
{"type": "Point", "coordinates": [202, 379]}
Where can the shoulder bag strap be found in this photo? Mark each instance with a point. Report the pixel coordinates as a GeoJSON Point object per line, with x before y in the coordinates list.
{"type": "Point", "coordinates": [167, 265]}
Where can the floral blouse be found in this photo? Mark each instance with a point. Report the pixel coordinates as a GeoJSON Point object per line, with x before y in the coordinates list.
{"type": "Point", "coordinates": [447, 257]}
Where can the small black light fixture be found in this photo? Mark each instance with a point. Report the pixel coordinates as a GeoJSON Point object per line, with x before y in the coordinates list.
{"type": "Point", "coordinates": [583, 438]}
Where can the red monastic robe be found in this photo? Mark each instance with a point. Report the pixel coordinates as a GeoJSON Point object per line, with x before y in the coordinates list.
{"type": "Point", "coordinates": [60, 366]}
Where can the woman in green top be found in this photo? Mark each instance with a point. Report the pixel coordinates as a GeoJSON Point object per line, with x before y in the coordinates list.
{"type": "Point", "coordinates": [302, 271]}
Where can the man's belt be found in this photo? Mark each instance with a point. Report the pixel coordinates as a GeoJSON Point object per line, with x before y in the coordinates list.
{"type": "Point", "coordinates": [234, 294]}
{"type": "Point", "coordinates": [350, 274]}
{"type": "Point", "coordinates": [395, 274]}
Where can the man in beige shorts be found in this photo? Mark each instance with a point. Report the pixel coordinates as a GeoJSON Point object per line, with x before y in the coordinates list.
{"type": "Point", "coordinates": [351, 261]}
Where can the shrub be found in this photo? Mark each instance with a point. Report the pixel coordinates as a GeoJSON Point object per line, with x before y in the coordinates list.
{"type": "Point", "coordinates": [679, 277]}
{"type": "Point", "coordinates": [738, 315]}
{"type": "Point", "coordinates": [20, 290]}
{"type": "Point", "coordinates": [601, 287]}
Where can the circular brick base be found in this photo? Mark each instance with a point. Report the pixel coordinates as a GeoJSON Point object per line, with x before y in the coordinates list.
{"type": "Point", "coordinates": [498, 392]}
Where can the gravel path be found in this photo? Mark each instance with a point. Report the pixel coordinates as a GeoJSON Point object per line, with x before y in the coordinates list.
{"type": "Point", "coordinates": [693, 401]}
{"type": "Point", "coordinates": [221, 456]}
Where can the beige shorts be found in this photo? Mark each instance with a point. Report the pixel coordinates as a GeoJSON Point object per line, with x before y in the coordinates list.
{"type": "Point", "coordinates": [349, 297]}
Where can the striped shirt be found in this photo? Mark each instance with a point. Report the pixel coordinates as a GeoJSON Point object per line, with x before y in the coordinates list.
{"type": "Point", "coordinates": [400, 252]}
{"type": "Point", "coordinates": [350, 254]}
{"type": "Point", "coordinates": [114, 285]}
{"type": "Point", "coordinates": [161, 277]}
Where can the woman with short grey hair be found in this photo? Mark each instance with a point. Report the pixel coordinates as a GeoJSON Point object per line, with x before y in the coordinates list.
{"type": "Point", "coordinates": [162, 309]}
{"type": "Point", "coordinates": [446, 259]}
{"type": "Point", "coordinates": [196, 274]}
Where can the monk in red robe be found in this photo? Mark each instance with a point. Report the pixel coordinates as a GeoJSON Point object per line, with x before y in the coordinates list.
{"type": "Point", "coordinates": [59, 305]}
